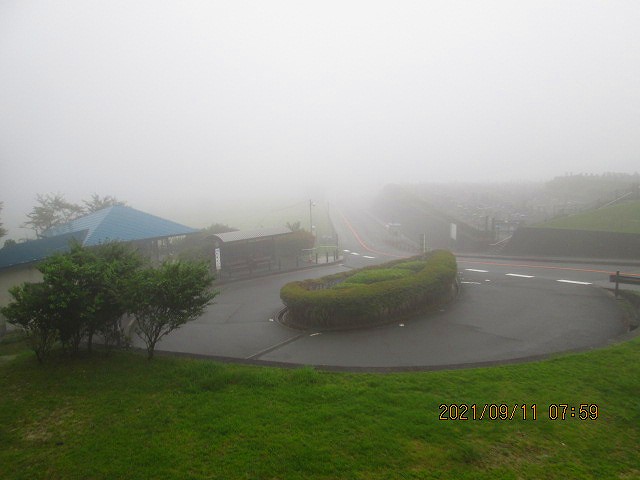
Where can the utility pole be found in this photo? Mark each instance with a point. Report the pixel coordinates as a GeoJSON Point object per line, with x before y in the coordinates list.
{"type": "Point", "coordinates": [311, 205]}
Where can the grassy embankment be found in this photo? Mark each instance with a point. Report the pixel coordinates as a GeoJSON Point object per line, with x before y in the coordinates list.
{"type": "Point", "coordinates": [624, 218]}
{"type": "Point", "coordinates": [275, 214]}
{"type": "Point", "coordinates": [124, 417]}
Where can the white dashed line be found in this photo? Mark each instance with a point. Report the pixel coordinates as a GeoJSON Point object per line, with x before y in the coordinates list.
{"type": "Point", "coordinates": [518, 275]}
{"type": "Point", "coordinates": [355, 253]}
{"type": "Point", "coordinates": [367, 256]}
{"type": "Point", "coordinates": [573, 281]}
{"type": "Point", "coordinates": [476, 270]}
{"type": "Point", "coordinates": [346, 251]}
{"type": "Point", "coordinates": [473, 283]}
{"type": "Point", "coordinates": [314, 334]}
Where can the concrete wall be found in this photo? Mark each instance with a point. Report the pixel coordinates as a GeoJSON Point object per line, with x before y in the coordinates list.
{"type": "Point", "coordinates": [556, 242]}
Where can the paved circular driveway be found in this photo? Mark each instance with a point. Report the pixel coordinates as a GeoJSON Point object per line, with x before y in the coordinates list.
{"type": "Point", "coordinates": [504, 312]}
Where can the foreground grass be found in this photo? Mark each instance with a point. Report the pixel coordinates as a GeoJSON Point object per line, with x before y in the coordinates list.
{"type": "Point", "coordinates": [624, 218]}
{"type": "Point", "coordinates": [125, 417]}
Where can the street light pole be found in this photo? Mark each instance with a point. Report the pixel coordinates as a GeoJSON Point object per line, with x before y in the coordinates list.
{"type": "Point", "coordinates": [311, 204]}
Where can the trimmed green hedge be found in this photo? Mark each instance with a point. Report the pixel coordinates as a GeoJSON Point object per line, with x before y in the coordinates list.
{"type": "Point", "coordinates": [373, 276]}
{"type": "Point", "coordinates": [315, 304]}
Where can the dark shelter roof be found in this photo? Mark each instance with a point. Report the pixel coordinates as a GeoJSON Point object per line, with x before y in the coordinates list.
{"type": "Point", "coordinates": [252, 234]}
{"type": "Point", "coordinates": [35, 250]}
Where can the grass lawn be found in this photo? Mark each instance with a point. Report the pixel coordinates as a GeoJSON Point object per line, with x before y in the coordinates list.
{"type": "Point", "coordinates": [125, 417]}
{"type": "Point", "coordinates": [623, 218]}
{"type": "Point", "coordinates": [251, 215]}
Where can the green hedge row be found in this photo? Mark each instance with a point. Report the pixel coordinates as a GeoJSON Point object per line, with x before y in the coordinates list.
{"type": "Point", "coordinates": [315, 304]}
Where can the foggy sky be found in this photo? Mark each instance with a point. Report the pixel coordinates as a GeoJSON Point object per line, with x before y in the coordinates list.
{"type": "Point", "coordinates": [175, 106]}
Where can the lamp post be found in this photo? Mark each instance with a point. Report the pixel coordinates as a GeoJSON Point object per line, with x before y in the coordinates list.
{"type": "Point", "coordinates": [311, 205]}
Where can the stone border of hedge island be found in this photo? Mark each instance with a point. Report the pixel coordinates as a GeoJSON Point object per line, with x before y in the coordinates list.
{"type": "Point", "coordinates": [317, 303]}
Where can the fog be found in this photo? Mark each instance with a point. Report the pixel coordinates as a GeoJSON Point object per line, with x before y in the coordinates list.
{"type": "Point", "coordinates": [183, 108]}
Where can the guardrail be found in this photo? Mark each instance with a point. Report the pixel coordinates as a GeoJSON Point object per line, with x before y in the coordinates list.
{"type": "Point", "coordinates": [628, 279]}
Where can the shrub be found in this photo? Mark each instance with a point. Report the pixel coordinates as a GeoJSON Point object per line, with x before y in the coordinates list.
{"type": "Point", "coordinates": [31, 311]}
{"type": "Point", "coordinates": [165, 298]}
{"type": "Point", "coordinates": [313, 303]}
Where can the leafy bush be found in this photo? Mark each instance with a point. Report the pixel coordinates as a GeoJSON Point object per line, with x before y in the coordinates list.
{"type": "Point", "coordinates": [87, 290]}
{"type": "Point", "coordinates": [313, 303]}
{"type": "Point", "coordinates": [167, 297]}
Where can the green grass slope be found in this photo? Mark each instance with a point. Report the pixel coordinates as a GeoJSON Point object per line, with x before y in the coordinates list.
{"type": "Point", "coordinates": [623, 218]}
{"type": "Point", "coordinates": [125, 417]}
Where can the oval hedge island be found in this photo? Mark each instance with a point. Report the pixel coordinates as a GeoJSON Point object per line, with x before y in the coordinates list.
{"type": "Point", "coordinates": [372, 295]}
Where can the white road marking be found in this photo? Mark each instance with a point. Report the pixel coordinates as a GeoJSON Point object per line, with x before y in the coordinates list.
{"type": "Point", "coordinates": [346, 251]}
{"type": "Point", "coordinates": [271, 319]}
{"type": "Point", "coordinates": [401, 325]}
{"type": "Point", "coordinates": [314, 334]}
{"type": "Point", "coordinates": [476, 270]}
{"type": "Point", "coordinates": [573, 281]}
{"type": "Point", "coordinates": [355, 253]}
{"type": "Point", "coordinates": [367, 256]}
{"type": "Point", "coordinates": [518, 275]}
{"type": "Point", "coordinates": [487, 280]}
{"type": "Point", "coordinates": [473, 283]}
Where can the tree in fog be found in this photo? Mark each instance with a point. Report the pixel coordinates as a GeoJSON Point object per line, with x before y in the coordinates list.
{"type": "Point", "coordinates": [3, 231]}
{"type": "Point", "coordinates": [52, 210]}
{"type": "Point", "coordinates": [98, 203]}
{"type": "Point", "coordinates": [165, 298]}
{"type": "Point", "coordinates": [294, 226]}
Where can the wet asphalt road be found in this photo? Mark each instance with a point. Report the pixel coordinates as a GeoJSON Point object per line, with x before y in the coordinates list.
{"type": "Point", "coordinates": [506, 310]}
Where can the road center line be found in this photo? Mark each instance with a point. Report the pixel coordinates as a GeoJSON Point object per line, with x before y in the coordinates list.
{"type": "Point", "coordinates": [518, 275]}
{"type": "Point", "coordinates": [546, 267]}
{"type": "Point", "coordinates": [274, 347]}
{"type": "Point", "coordinates": [361, 242]}
{"type": "Point", "coordinates": [574, 281]}
{"type": "Point", "coordinates": [476, 270]}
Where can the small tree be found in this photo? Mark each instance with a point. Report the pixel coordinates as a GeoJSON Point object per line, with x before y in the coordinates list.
{"type": "Point", "coordinates": [166, 298]}
{"type": "Point", "coordinates": [31, 311]}
{"type": "Point", "coordinates": [96, 203]}
{"type": "Point", "coordinates": [52, 210]}
{"type": "Point", "coordinates": [3, 231]}
{"type": "Point", "coordinates": [88, 291]}
{"type": "Point", "coordinates": [117, 264]}
{"type": "Point", "coordinates": [71, 279]}
{"type": "Point", "coordinates": [295, 226]}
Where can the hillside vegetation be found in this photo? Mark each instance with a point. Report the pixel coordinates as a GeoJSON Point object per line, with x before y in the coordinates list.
{"type": "Point", "coordinates": [623, 218]}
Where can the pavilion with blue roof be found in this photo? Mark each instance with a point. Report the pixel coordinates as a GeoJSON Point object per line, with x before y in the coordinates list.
{"type": "Point", "coordinates": [117, 223]}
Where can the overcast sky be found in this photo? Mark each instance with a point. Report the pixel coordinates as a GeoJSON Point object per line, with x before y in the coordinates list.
{"type": "Point", "coordinates": [173, 104]}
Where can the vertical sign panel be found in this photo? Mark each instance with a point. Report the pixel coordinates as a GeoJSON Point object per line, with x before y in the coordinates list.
{"type": "Point", "coordinates": [454, 231]}
{"type": "Point", "coordinates": [218, 262]}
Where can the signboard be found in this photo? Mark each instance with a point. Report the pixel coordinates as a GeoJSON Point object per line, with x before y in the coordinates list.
{"type": "Point", "coordinates": [218, 261]}
{"type": "Point", "coordinates": [454, 231]}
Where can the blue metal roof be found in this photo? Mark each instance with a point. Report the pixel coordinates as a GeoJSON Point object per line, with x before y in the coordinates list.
{"type": "Point", "coordinates": [117, 223]}
{"type": "Point", "coordinates": [120, 223]}
{"type": "Point", "coordinates": [35, 250]}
